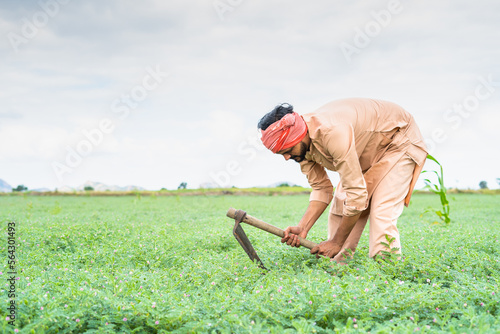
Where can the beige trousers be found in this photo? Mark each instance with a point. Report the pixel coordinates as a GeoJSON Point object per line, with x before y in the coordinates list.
{"type": "Point", "coordinates": [384, 209]}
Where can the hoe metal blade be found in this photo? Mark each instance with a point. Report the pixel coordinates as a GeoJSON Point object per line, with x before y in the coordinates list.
{"type": "Point", "coordinates": [242, 238]}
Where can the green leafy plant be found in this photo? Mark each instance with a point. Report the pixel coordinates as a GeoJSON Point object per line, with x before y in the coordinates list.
{"type": "Point", "coordinates": [103, 265]}
{"type": "Point", "coordinates": [440, 189]}
{"type": "Point", "coordinates": [29, 209]}
{"type": "Point", "coordinates": [389, 250]}
{"type": "Point", "coordinates": [56, 209]}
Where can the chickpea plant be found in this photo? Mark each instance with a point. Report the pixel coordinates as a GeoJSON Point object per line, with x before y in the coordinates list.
{"type": "Point", "coordinates": [116, 264]}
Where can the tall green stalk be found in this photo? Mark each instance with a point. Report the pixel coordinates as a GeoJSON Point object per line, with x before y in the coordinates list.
{"type": "Point", "coordinates": [440, 189]}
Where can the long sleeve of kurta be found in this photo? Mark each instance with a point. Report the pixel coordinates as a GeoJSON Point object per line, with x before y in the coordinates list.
{"type": "Point", "coordinates": [322, 189]}
{"type": "Point", "coordinates": [339, 143]}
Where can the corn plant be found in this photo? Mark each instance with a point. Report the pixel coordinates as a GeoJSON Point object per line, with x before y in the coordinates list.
{"type": "Point", "coordinates": [440, 189]}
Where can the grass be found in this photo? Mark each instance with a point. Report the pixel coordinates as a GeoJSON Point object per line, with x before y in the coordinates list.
{"type": "Point", "coordinates": [170, 264]}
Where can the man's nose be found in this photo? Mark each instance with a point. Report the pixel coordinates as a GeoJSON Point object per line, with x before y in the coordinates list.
{"type": "Point", "coordinates": [287, 156]}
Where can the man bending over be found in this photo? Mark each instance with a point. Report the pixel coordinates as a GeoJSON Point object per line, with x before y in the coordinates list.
{"type": "Point", "coordinates": [378, 151]}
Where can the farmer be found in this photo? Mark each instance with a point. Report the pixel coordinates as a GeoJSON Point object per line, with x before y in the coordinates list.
{"type": "Point", "coordinates": [378, 151]}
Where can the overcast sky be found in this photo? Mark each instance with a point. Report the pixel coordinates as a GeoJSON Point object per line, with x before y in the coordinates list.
{"type": "Point", "coordinates": [154, 93]}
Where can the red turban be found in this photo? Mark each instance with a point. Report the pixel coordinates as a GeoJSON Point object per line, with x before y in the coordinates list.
{"type": "Point", "coordinates": [285, 133]}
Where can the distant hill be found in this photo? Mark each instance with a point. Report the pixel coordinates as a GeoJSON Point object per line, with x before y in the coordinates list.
{"type": "Point", "coordinates": [40, 190]}
{"type": "Point", "coordinates": [99, 186]}
{"type": "Point", "coordinates": [5, 187]}
{"type": "Point", "coordinates": [65, 189]}
{"type": "Point", "coordinates": [208, 185]}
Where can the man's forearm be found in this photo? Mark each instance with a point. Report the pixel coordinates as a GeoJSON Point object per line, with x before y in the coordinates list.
{"type": "Point", "coordinates": [313, 212]}
{"type": "Point", "coordinates": [345, 228]}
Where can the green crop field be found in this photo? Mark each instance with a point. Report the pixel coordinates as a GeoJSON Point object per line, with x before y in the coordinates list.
{"type": "Point", "coordinates": [170, 264]}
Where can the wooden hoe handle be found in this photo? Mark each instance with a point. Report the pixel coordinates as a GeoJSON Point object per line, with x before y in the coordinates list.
{"type": "Point", "coordinates": [231, 213]}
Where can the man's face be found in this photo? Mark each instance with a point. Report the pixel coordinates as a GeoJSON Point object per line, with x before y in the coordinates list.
{"type": "Point", "coordinates": [297, 152]}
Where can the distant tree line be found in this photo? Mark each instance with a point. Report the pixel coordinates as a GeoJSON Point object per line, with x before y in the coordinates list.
{"type": "Point", "coordinates": [20, 188]}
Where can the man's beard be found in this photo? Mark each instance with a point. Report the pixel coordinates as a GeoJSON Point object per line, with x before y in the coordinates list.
{"type": "Point", "coordinates": [302, 153]}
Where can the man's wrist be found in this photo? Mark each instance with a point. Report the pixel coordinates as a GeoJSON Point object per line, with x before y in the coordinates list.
{"type": "Point", "coordinates": [335, 246]}
{"type": "Point", "coordinates": [304, 228]}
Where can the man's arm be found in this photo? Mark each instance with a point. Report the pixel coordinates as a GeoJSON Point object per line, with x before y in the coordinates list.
{"type": "Point", "coordinates": [319, 199]}
{"type": "Point", "coordinates": [340, 144]}
{"type": "Point", "coordinates": [313, 212]}
{"type": "Point", "coordinates": [332, 247]}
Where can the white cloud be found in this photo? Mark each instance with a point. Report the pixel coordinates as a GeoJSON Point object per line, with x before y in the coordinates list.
{"type": "Point", "coordinates": [30, 143]}
{"type": "Point", "coordinates": [224, 76]}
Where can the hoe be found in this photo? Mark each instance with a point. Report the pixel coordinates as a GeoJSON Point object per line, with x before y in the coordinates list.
{"type": "Point", "coordinates": [241, 216]}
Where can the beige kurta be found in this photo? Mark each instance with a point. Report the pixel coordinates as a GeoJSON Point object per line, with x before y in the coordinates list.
{"type": "Point", "coordinates": [362, 140]}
